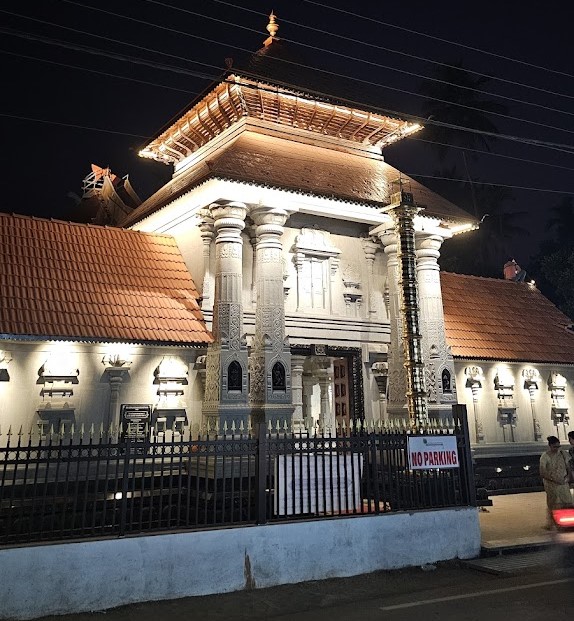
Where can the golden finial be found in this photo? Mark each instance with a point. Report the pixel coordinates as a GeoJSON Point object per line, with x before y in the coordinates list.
{"type": "Point", "coordinates": [272, 28]}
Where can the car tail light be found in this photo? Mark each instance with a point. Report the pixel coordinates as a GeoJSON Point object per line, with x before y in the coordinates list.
{"type": "Point", "coordinates": [563, 517]}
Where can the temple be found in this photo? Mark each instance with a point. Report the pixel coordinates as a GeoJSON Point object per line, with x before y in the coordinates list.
{"type": "Point", "coordinates": [286, 274]}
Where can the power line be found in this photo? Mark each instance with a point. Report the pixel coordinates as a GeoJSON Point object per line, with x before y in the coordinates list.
{"type": "Point", "coordinates": [116, 56]}
{"type": "Point", "coordinates": [530, 141]}
{"type": "Point", "coordinates": [491, 153]}
{"type": "Point", "coordinates": [424, 34]}
{"type": "Point", "coordinates": [163, 86]}
{"type": "Point", "coordinates": [111, 75]}
{"type": "Point", "coordinates": [498, 185]}
{"type": "Point", "coordinates": [377, 47]}
{"type": "Point", "coordinates": [97, 36]}
{"type": "Point", "coordinates": [109, 131]}
{"type": "Point", "coordinates": [93, 129]}
{"type": "Point", "coordinates": [347, 77]}
{"type": "Point", "coordinates": [95, 51]}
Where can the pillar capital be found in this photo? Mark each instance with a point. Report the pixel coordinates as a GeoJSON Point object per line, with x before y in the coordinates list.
{"type": "Point", "coordinates": [230, 216]}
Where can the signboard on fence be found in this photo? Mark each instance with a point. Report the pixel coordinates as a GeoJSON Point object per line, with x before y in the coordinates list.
{"type": "Point", "coordinates": [432, 452]}
{"type": "Point", "coordinates": [136, 420]}
{"type": "Point", "coordinates": [317, 483]}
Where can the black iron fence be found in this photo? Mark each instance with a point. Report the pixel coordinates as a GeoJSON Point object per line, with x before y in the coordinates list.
{"type": "Point", "coordinates": [87, 485]}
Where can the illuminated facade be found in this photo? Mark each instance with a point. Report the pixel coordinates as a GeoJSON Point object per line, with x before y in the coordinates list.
{"type": "Point", "coordinates": [308, 251]}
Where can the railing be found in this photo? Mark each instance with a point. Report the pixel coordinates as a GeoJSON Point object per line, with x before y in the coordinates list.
{"type": "Point", "coordinates": [83, 485]}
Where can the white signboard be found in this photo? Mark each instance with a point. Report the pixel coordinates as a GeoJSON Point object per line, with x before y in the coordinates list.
{"type": "Point", "coordinates": [432, 452]}
{"type": "Point", "coordinates": [309, 483]}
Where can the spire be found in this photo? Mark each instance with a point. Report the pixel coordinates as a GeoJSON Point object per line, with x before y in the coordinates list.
{"type": "Point", "coordinates": [272, 28]}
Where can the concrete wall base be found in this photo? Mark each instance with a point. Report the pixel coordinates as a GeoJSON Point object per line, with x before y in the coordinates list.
{"type": "Point", "coordinates": [95, 575]}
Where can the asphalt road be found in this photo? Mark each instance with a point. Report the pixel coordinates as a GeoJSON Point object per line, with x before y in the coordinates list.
{"type": "Point", "coordinates": [450, 591]}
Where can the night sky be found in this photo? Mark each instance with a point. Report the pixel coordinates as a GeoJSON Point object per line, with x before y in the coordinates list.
{"type": "Point", "coordinates": [45, 161]}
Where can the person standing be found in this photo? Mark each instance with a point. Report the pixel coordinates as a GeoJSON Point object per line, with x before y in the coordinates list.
{"type": "Point", "coordinates": [554, 471]}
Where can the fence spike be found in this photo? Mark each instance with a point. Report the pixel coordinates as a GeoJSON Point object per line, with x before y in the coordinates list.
{"type": "Point", "coordinates": [233, 426]}
{"type": "Point", "coordinates": [241, 426]}
{"type": "Point", "coordinates": [91, 431]}
{"type": "Point", "coordinates": [72, 430]}
{"type": "Point", "coordinates": [20, 432]}
{"type": "Point", "coordinates": [269, 426]}
{"type": "Point", "coordinates": [9, 430]}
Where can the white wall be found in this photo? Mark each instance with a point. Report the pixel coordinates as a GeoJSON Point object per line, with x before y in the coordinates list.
{"type": "Point", "coordinates": [76, 577]}
{"type": "Point", "coordinates": [488, 401]}
{"type": "Point", "coordinates": [21, 396]}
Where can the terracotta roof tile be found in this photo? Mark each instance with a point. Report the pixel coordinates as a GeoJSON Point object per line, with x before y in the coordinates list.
{"type": "Point", "coordinates": [60, 279]}
{"type": "Point", "coordinates": [495, 319]}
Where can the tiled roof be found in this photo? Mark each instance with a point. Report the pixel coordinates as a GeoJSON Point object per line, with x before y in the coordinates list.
{"type": "Point", "coordinates": [61, 280]}
{"type": "Point", "coordinates": [285, 164]}
{"type": "Point", "coordinates": [496, 319]}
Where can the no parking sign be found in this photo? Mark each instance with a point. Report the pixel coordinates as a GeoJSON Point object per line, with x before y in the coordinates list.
{"type": "Point", "coordinates": [432, 452]}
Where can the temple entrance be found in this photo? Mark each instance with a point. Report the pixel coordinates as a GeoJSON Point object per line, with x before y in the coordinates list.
{"type": "Point", "coordinates": [341, 393]}
{"type": "Point", "coordinates": [331, 387]}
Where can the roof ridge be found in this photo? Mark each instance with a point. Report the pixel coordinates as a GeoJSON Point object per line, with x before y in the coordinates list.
{"type": "Point", "coordinates": [84, 224]}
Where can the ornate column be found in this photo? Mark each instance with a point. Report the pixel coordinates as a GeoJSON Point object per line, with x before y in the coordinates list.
{"type": "Point", "coordinates": [252, 230]}
{"type": "Point", "coordinates": [116, 370]}
{"type": "Point", "coordinates": [531, 380]}
{"type": "Point", "coordinates": [206, 228]}
{"type": "Point", "coordinates": [226, 397]}
{"type": "Point", "coordinates": [324, 368]}
{"type": "Point", "coordinates": [308, 383]}
{"type": "Point", "coordinates": [396, 377]}
{"type": "Point", "coordinates": [403, 214]}
{"type": "Point", "coordinates": [270, 361]}
{"type": "Point", "coordinates": [380, 371]}
{"type": "Point", "coordinates": [297, 363]}
{"type": "Point", "coordinates": [370, 249]}
{"type": "Point", "coordinates": [438, 360]}
{"type": "Point", "coordinates": [474, 382]}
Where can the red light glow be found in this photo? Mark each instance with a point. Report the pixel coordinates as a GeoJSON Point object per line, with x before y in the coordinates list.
{"type": "Point", "coordinates": [563, 517]}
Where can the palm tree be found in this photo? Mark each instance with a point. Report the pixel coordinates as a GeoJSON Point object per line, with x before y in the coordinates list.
{"type": "Point", "coordinates": [455, 98]}
{"type": "Point", "coordinates": [499, 225]}
{"type": "Point", "coordinates": [561, 222]}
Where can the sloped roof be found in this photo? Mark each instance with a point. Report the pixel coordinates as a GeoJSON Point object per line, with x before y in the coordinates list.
{"type": "Point", "coordinates": [284, 63]}
{"type": "Point", "coordinates": [304, 169]}
{"type": "Point", "coordinates": [61, 280]}
{"type": "Point", "coordinates": [496, 319]}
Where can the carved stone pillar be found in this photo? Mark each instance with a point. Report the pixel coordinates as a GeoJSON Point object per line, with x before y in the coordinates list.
{"type": "Point", "coordinates": [116, 369]}
{"type": "Point", "coordinates": [438, 360]}
{"type": "Point", "coordinates": [226, 396]}
{"type": "Point", "coordinates": [206, 228]}
{"type": "Point", "coordinates": [475, 380]}
{"type": "Point", "coordinates": [297, 363]}
{"type": "Point", "coordinates": [397, 380]}
{"type": "Point", "coordinates": [270, 362]}
{"type": "Point", "coordinates": [370, 249]}
{"type": "Point", "coordinates": [324, 372]}
{"type": "Point", "coordinates": [252, 230]}
{"type": "Point", "coordinates": [403, 214]}
{"type": "Point", "coordinates": [380, 371]}
{"type": "Point", "coordinates": [531, 381]}
{"type": "Point", "coordinates": [308, 383]}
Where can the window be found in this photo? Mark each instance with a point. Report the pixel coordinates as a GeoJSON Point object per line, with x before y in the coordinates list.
{"type": "Point", "coordinates": [235, 377]}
